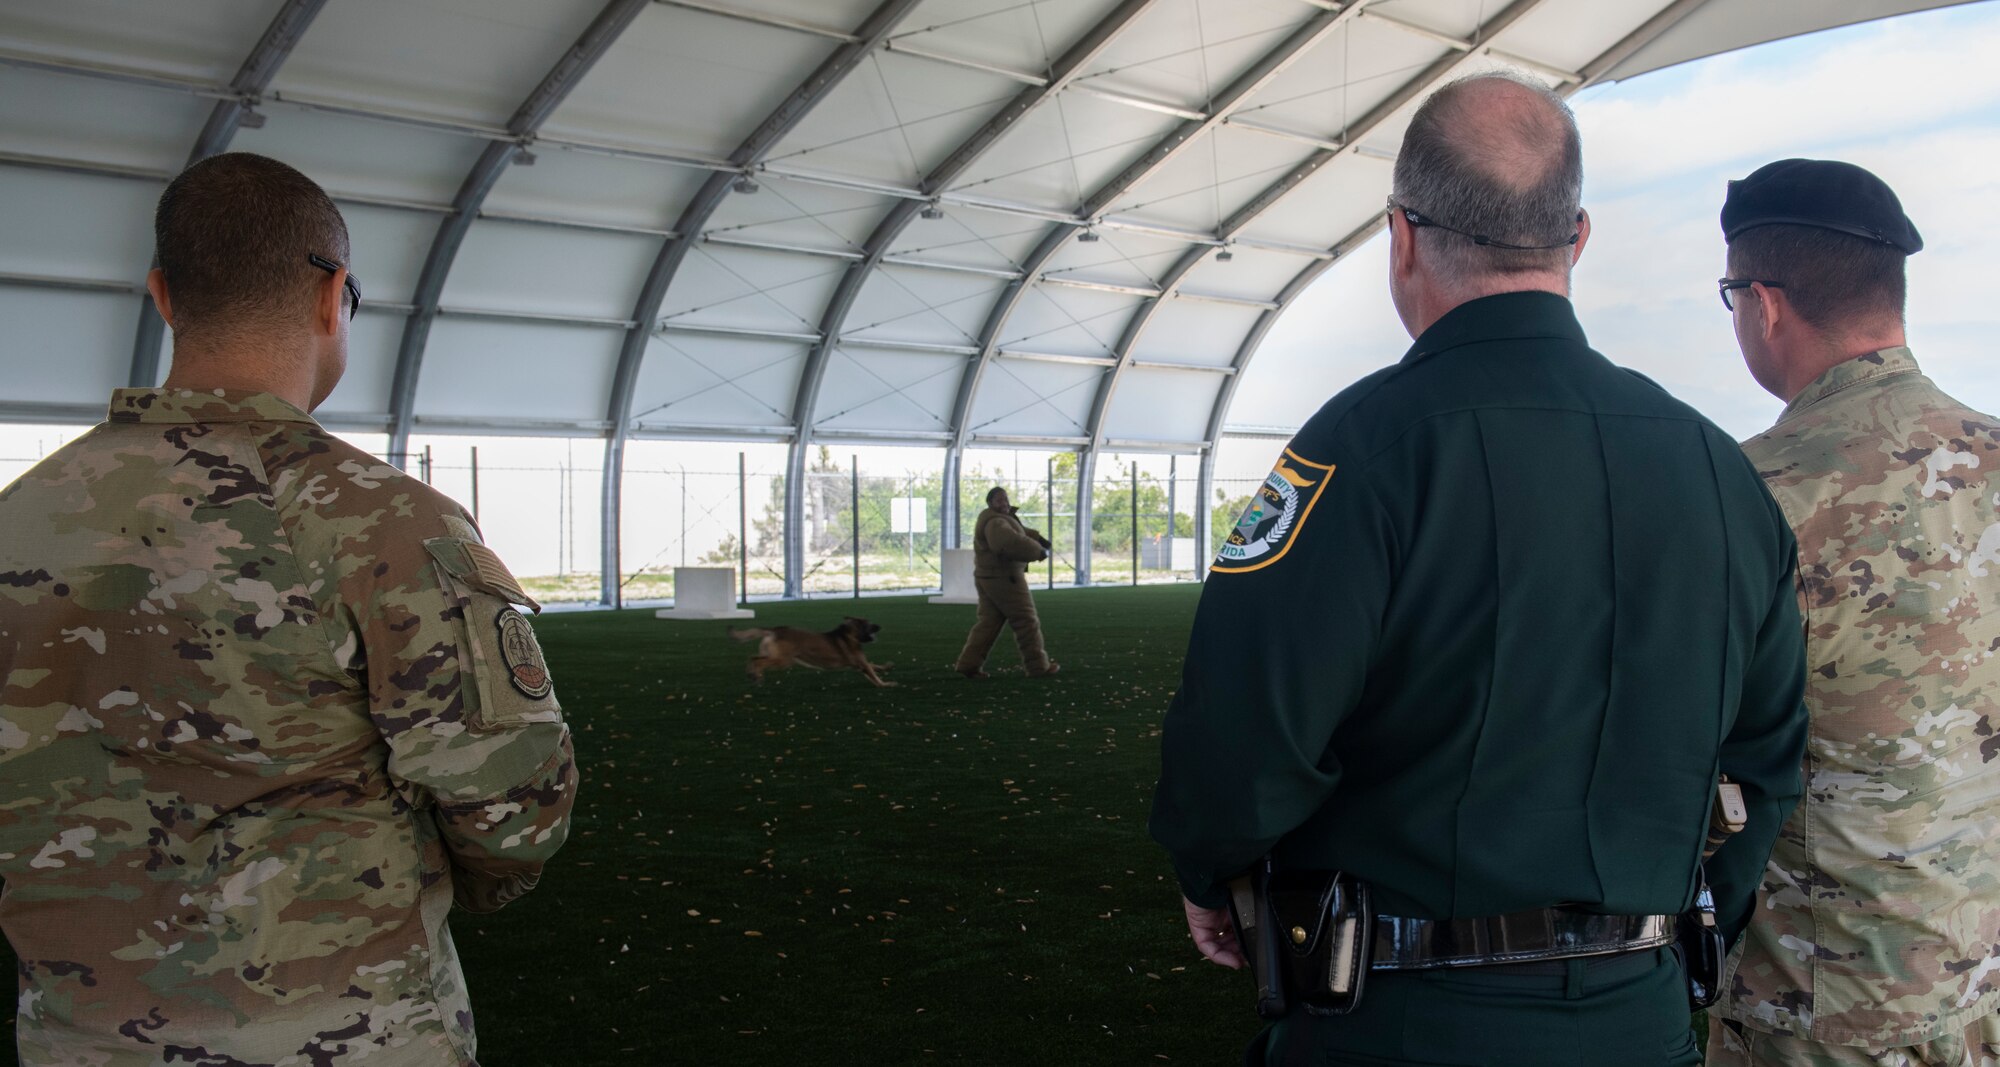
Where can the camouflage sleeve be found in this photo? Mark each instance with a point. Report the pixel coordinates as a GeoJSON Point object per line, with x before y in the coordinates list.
{"type": "Point", "coordinates": [461, 692]}
{"type": "Point", "coordinates": [1763, 753]}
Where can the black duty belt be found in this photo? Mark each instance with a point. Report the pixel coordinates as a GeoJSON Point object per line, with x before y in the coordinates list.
{"type": "Point", "coordinates": [1522, 937]}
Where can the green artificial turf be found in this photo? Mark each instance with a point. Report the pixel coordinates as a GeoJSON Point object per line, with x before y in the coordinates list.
{"type": "Point", "coordinates": [816, 871]}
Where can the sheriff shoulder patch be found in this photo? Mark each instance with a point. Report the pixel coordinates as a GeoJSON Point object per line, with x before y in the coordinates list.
{"type": "Point", "coordinates": [521, 654]}
{"type": "Point", "coordinates": [1277, 511]}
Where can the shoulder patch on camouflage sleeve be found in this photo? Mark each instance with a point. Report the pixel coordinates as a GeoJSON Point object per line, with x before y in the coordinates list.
{"type": "Point", "coordinates": [478, 566]}
{"type": "Point", "coordinates": [1277, 511]}
{"type": "Point", "coordinates": [521, 654]}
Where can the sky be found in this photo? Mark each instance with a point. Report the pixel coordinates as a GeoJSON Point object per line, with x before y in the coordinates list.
{"type": "Point", "coordinates": [1916, 99]}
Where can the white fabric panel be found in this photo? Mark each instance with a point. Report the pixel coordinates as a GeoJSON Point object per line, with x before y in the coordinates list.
{"type": "Point", "coordinates": [346, 155]}
{"type": "Point", "coordinates": [206, 40]}
{"type": "Point", "coordinates": [691, 379]}
{"type": "Point", "coordinates": [1035, 399]}
{"type": "Point", "coordinates": [1250, 274]}
{"type": "Point", "coordinates": [687, 81]}
{"type": "Point", "coordinates": [1120, 257]}
{"type": "Point", "coordinates": [1185, 51]}
{"type": "Point", "coordinates": [1460, 18]}
{"type": "Point", "coordinates": [372, 339]}
{"type": "Point", "coordinates": [1728, 24]}
{"type": "Point", "coordinates": [76, 226]}
{"type": "Point", "coordinates": [1034, 164]}
{"type": "Point", "coordinates": [1186, 331]}
{"type": "Point", "coordinates": [1355, 68]}
{"type": "Point", "coordinates": [1071, 322]}
{"type": "Point", "coordinates": [595, 188]}
{"type": "Point", "coordinates": [1567, 34]}
{"type": "Point", "coordinates": [1004, 33]}
{"type": "Point", "coordinates": [387, 53]}
{"type": "Point", "coordinates": [812, 216]}
{"type": "Point", "coordinates": [970, 236]}
{"type": "Point", "coordinates": [876, 390]}
{"type": "Point", "coordinates": [751, 289]}
{"type": "Point", "coordinates": [73, 118]}
{"type": "Point", "coordinates": [517, 370]}
{"type": "Point", "coordinates": [909, 304]}
{"type": "Point", "coordinates": [65, 347]}
{"type": "Point", "coordinates": [1329, 205]}
{"type": "Point", "coordinates": [833, 14]}
{"type": "Point", "coordinates": [1161, 405]}
{"type": "Point", "coordinates": [388, 247]}
{"type": "Point", "coordinates": [893, 119]}
{"type": "Point", "coordinates": [517, 266]}
{"type": "Point", "coordinates": [1208, 182]}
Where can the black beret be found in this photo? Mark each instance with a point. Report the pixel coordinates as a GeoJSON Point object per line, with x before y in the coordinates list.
{"type": "Point", "coordinates": [1819, 192]}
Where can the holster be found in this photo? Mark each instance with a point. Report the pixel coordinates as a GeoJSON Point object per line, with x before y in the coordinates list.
{"type": "Point", "coordinates": [1699, 942]}
{"type": "Point", "coordinates": [1307, 936]}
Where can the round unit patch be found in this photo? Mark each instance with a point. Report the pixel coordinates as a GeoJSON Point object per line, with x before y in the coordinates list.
{"type": "Point", "coordinates": [522, 655]}
{"type": "Point", "coordinates": [1277, 510]}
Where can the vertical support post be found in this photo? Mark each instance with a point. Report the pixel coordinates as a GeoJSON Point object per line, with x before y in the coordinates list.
{"type": "Point", "coordinates": [1204, 494]}
{"type": "Point", "coordinates": [1085, 511]}
{"type": "Point", "coordinates": [1173, 512]}
{"type": "Point", "coordinates": [854, 516]}
{"type": "Point", "coordinates": [427, 464]}
{"type": "Point", "coordinates": [910, 526]}
{"type": "Point", "coordinates": [1051, 491]}
{"type": "Point", "coordinates": [610, 525]}
{"type": "Point", "coordinates": [475, 483]}
{"type": "Point", "coordinates": [742, 529]}
{"type": "Point", "coordinates": [684, 515]}
{"type": "Point", "coordinates": [1135, 522]}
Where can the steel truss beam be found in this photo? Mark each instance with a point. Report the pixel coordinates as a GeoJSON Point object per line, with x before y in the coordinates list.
{"type": "Point", "coordinates": [280, 37]}
{"type": "Point", "coordinates": [694, 219]}
{"type": "Point", "coordinates": [1591, 73]}
{"type": "Point", "coordinates": [1062, 73]}
{"type": "Point", "coordinates": [596, 40]}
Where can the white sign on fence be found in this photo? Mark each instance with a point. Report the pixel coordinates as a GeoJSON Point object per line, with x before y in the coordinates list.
{"type": "Point", "coordinates": [906, 515]}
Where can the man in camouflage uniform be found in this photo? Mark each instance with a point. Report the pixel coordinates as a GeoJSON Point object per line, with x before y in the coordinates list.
{"type": "Point", "coordinates": [1876, 939]}
{"type": "Point", "coordinates": [268, 708]}
{"type": "Point", "coordinates": [1002, 548]}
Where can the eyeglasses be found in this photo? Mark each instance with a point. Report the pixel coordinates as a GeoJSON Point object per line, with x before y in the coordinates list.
{"type": "Point", "coordinates": [1418, 220]}
{"type": "Point", "coordinates": [329, 266]}
{"type": "Point", "coordinates": [1724, 285]}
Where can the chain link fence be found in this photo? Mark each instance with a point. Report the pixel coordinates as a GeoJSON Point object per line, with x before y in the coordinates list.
{"type": "Point", "coordinates": [1142, 522]}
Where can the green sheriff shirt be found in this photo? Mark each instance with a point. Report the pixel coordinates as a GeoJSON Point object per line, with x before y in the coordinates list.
{"type": "Point", "coordinates": [1486, 636]}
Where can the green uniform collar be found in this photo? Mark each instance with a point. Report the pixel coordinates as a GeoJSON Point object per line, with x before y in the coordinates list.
{"type": "Point", "coordinates": [1889, 361]}
{"type": "Point", "coordinates": [1502, 317]}
{"type": "Point", "coordinates": [212, 405]}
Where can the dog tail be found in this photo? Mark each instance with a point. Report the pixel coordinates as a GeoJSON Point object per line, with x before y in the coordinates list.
{"type": "Point", "coordinates": [750, 634]}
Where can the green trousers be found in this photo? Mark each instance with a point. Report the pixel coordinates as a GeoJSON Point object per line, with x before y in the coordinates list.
{"type": "Point", "coordinates": [1619, 1011]}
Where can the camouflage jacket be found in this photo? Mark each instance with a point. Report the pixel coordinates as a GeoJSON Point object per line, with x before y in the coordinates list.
{"type": "Point", "coordinates": [1879, 919]}
{"type": "Point", "coordinates": [266, 710]}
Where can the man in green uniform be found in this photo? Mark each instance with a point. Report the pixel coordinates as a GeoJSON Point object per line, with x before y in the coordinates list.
{"type": "Point", "coordinates": [269, 710]}
{"type": "Point", "coordinates": [1002, 548]}
{"type": "Point", "coordinates": [1507, 613]}
{"type": "Point", "coordinates": [1877, 935]}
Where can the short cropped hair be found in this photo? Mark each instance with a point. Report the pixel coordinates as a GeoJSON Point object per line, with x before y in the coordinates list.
{"type": "Point", "coordinates": [1515, 177]}
{"type": "Point", "coordinates": [996, 490]}
{"type": "Point", "coordinates": [233, 232]}
{"type": "Point", "coordinates": [1832, 279]}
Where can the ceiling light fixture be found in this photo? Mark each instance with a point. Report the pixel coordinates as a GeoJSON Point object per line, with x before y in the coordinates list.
{"type": "Point", "coordinates": [745, 184]}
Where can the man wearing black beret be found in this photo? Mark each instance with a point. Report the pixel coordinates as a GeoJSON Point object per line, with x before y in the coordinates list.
{"type": "Point", "coordinates": [1876, 938]}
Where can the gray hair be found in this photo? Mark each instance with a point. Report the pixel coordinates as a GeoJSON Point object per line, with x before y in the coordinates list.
{"type": "Point", "coordinates": [1513, 174]}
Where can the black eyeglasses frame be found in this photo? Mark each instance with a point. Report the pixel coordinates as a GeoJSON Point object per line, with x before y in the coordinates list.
{"type": "Point", "coordinates": [352, 287]}
{"type": "Point", "coordinates": [1724, 285]}
{"type": "Point", "coordinates": [1419, 220]}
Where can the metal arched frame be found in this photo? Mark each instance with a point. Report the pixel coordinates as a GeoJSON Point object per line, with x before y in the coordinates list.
{"type": "Point", "coordinates": [1590, 75]}
{"type": "Point", "coordinates": [1066, 69]}
{"type": "Point", "coordinates": [287, 26]}
{"type": "Point", "coordinates": [595, 41]}
{"type": "Point", "coordinates": [688, 230]}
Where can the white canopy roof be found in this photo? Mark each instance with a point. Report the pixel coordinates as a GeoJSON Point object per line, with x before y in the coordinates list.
{"type": "Point", "coordinates": [1056, 224]}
